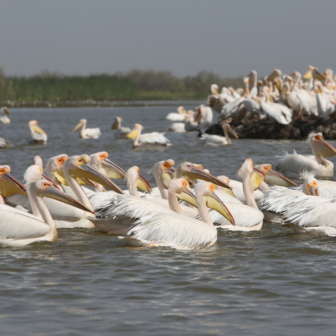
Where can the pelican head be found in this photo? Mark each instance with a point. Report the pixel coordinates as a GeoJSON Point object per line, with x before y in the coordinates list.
{"type": "Point", "coordinates": [247, 170]}
{"type": "Point", "coordinates": [276, 73]}
{"type": "Point", "coordinates": [80, 167]}
{"type": "Point", "coordinates": [214, 89]}
{"type": "Point", "coordinates": [9, 185]}
{"type": "Point", "coordinates": [134, 177]}
{"type": "Point", "coordinates": [46, 188]}
{"type": "Point", "coordinates": [205, 190]}
{"type": "Point", "coordinates": [117, 123]}
{"type": "Point", "coordinates": [274, 178]}
{"type": "Point", "coordinates": [320, 146]}
{"type": "Point", "coordinates": [253, 73]}
{"type": "Point", "coordinates": [5, 111]}
{"type": "Point", "coordinates": [310, 186]}
{"type": "Point", "coordinates": [101, 162]}
{"type": "Point", "coordinates": [180, 188]}
{"type": "Point", "coordinates": [82, 123]}
{"type": "Point", "coordinates": [193, 171]}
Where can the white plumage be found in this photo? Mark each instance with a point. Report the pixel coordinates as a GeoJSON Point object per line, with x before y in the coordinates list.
{"type": "Point", "coordinates": [87, 133]}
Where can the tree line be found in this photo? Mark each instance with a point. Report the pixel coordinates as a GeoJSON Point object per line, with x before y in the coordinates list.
{"type": "Point", "coordinates": [134, 85]}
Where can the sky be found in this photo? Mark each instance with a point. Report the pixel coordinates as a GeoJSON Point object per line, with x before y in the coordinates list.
{"type": "Point", "coordinates": [229, 38]}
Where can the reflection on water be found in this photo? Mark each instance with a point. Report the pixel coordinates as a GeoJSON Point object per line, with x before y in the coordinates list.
{"type": "Point", "coordinates": [259, 283]}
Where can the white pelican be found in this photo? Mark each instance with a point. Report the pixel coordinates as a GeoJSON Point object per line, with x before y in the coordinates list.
{"type": "Point", "coordinates": [87, 133]}
{"type": "Point", "coordinates": [18, 228]}
{"type": "Point", "coordinates": [75, 169]}
{"type": "Point", "coordinates": [5, 119]}
{"type": "Point", "coordinates": [210, 139]}
{"type": "Point", "coordinates": [120, 132]}
{"type": "Point", "coordinates": [180, 116]}
{"type": "Point", "coordinates": [191, 125]}
{"type": "Point", "coordinates": [4, 143]}
{"type": "Point", "coordinates": [254, 77]}
{"type": "Point", "coordinates": [37, 133]}
{"type": "Point", "coordinates": [148, 140]}
{"type": "Point", "coordinates": [177, 127]}
{"type": "Point", "coordinates": [117, 213]}
{"type": "Point", "coordinates": [176, 230]}
{"type": "Point", "coordinates": [297, 163]}
{"type": "Point", "coordinates": [247, 217]}
{"type": "Point", "coordinates": [204, 117]}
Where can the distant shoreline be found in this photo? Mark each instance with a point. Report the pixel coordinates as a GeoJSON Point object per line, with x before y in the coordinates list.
{"type": "Point", "coordinates": [111, 104]}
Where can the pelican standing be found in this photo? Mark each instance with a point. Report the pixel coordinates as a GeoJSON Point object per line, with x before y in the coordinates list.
{"type": "Point", "coordinates": [87, 133]}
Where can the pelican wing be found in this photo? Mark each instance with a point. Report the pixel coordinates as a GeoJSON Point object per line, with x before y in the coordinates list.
{"type": "Point", "coordinates": [16, 224]}
{"type": "Point", "coordinates": [297, 163]}
{"type": "Point", "coordinates": [154, 137]}
{"type": "Point", "coordinates": [317, 212]}
{"type": "Point", "coordinates": [177, 127]}
{"type": "Point", "coordinates": [230, 108]}
{"type": "Point", "coordinates": [281, 113]}
{"type": "Point", "coordinates": [172, 230]}
{"type": "Point", "coordinates": [175, 116]}
{"type": "Point", "coordinates": [93, 133]}
{"type": "Point", "coordinates": [251, 106]}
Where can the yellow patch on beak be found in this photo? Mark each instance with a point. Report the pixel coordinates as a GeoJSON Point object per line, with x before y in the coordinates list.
{"type": "Point", "coordinates": [133, 134]}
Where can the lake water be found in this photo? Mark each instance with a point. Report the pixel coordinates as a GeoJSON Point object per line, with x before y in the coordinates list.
{"type": "Point", "coordinates": [271, 282]}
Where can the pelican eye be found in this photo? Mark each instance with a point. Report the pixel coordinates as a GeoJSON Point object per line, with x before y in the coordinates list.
{"type": "Point", "coordinates": [212, 187]}
{"type": "Point", "coordinates": [138, 169]}
{"type": "Point", "coordinates": [317, 137]}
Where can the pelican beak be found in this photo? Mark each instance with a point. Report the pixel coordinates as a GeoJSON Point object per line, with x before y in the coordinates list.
{"type": "Point", "coordinates": [257, 177]}
{"type": "Point", "coordinates": [197, 173]}
{"type": "Point", "coordinates": [308, 75]}
{"type": "Point", "coordinates": [318, 76]}
{"type": "Point", "coordinates": [76, 128]}
{"type": "Point", "coordinates": [232, 132]}
{"type": "Point", "coordinates": [88, 172]}
{"type": "Point", "coordinates": [187, 196]}
{"type": "Point", "coordinates": [323, 148]}
{"type": "Point", "coordinates": [143, 184]}
{"type": "Point", "coordinates": [60, 196]}
{"type": "Point", "coordinates": [48, 179]}
{"type": "Point", "coordinates": [313, 191]}
{"type": "Point", "coordinates": [213, 202]}
{"type": "Point", "coordinates": [37, 129]}
{"type": "Point", "coordinates": [134, 133]}
{"type": "Point", "coordinates": [167, 176]}
{"type": "Point", "coordinates": [9, 186]}
{"type": "Point", "coordinates": [111, 170]}
{"type": "Point", "coordinates": [272, 76]}
{"type": "Point", "coordinates": [277, 179]}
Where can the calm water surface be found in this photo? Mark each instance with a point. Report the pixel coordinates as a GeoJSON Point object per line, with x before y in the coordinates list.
{"type": "Point", "coordinates": [271, 282]}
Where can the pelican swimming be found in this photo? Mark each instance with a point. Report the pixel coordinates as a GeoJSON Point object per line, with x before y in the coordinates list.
{"type": "Point", "coordinates": [87, 133]}
{"type": "Point", "coordinates": [180, 116]}
{"type": "Point", "coordinates": [148, 140]}
{"type": "Point", "coordinates": [69, 171]}
{"type": "Point", "coordinates": [120, 132]}
{"type": "Point", "coordinates": [210, 139]}
{"type": "Point", "coordinates": [247, 217]}
{"type": "Point", "coordinates": [6, 113]}
{"type": "Point", "coordinates": [18, 228]}
{"type": "Point", "coordinates": [117, 213]}
{"type": "Point", "coordinates": [176, 230]}
{"type": "Point", "coordinates": [177, 127]}
{"type": "Point", "coordinates": [4, 143]}
{"type": "Point", "coordinates": [297, 163]}
{"type": "Point", "coordinates": [38, 135]}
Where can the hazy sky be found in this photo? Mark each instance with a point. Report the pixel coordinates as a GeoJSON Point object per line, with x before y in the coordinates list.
{"type": "Point", "coordinates": [183, 36]}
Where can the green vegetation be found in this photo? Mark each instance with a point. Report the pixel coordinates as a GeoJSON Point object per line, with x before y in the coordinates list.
{"type": "Point", "coordinates": [134, 85]}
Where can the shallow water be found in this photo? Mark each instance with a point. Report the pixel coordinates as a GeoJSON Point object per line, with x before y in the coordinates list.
{"type": "Point", "coordinates": [271, 282]}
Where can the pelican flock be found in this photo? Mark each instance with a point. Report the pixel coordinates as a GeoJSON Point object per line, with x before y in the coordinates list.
{"type": "Point", "coordinates": [189, 207]}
